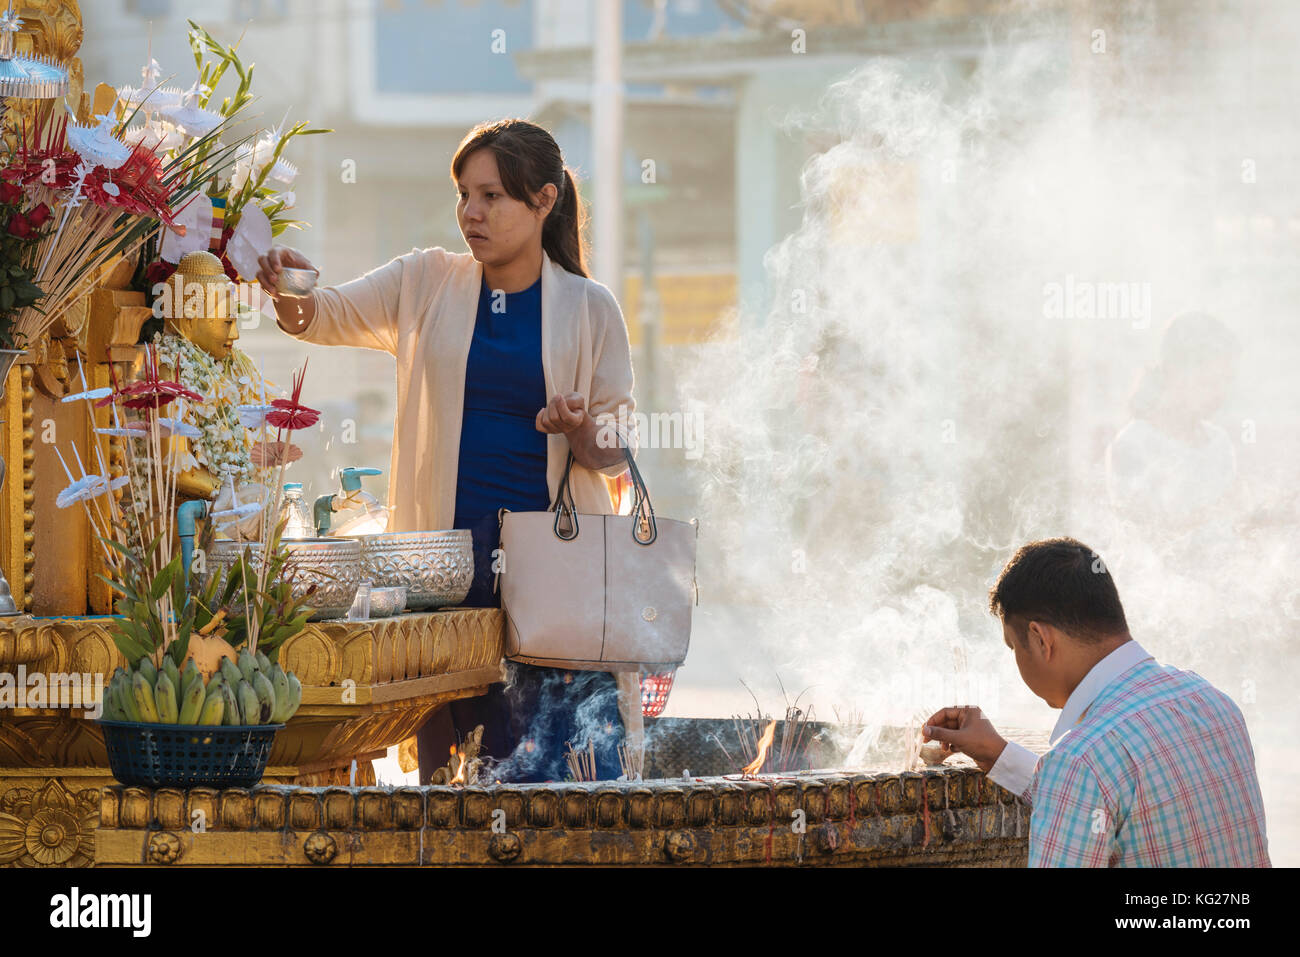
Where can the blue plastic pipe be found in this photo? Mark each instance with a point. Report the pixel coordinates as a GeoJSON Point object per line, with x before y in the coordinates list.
{"type": "Point", "coordinates": [187, 517]}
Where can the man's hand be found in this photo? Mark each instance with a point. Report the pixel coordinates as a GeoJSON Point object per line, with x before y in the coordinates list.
{"type": "Point", "coordinates": [968, 731]}
{"type": "Point", "coordinates": [563, 414]}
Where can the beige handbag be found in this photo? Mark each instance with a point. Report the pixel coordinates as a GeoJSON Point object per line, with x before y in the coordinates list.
{"type": "Point", "coordinates": [597, 592]}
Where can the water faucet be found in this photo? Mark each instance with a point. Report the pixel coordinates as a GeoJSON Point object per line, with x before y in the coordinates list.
{"type": "Point", "coordinates": [350, 495]}
{"type": "Point", "coordinates": [187, 516]}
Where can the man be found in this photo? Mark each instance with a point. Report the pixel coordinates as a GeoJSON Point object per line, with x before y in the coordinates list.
{"type": "Point", "coordinates": [1149, 766]}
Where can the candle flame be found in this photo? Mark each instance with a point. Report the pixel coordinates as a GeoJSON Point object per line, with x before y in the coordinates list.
{"type": "Point", "coordinates": [459, 778]}
{"type": "Point", "coordinates": [753, 767]}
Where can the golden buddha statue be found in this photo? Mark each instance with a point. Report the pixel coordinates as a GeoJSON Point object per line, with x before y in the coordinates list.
{"type": "Point", "coordinates": [202, 315]}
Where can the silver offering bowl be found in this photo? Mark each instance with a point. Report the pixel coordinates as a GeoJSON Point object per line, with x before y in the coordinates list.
{"type": "Point", "coordinates": [333, 565]}
{"type": "Point", "coordinates": [436, 568]}
{"type": "Point", "coordinates": [386, 602]}
{"type": "Point", "coordinates": [296, 283]}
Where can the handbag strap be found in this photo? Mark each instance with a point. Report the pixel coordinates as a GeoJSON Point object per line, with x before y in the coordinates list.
{"type": "Point", "coordinates": [644, 530]}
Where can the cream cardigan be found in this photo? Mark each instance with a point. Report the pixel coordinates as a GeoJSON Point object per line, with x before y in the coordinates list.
{"type": "Point", "coordinates": [421, 308]}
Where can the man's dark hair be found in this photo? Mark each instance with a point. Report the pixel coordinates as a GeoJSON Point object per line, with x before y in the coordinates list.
{"type": "Point", "coordinates": [1060, 582]}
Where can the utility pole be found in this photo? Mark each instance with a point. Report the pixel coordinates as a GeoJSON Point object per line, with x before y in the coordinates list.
{"type": "Point", "coordinates": [607, 144]}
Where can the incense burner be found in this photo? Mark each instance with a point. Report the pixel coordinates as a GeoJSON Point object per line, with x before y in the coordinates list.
{"type": "Point", "coordinates": [943, 816]}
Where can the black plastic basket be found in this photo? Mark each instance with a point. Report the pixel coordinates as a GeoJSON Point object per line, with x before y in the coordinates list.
{"type": "Point", "coordinates": [187, 756]}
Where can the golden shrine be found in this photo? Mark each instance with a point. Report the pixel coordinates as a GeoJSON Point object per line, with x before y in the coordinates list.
{"type": "Point", "coordinates": [367, 685]}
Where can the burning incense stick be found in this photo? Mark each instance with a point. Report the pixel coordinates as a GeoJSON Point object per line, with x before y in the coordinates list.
{"type": "Point", "coordinates": [632, 761]}
{"type": "Point", "coordinates": [582, 764]}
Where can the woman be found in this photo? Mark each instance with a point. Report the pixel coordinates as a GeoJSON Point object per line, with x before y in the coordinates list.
{"type": "Point", "coordinates": [508, 358]}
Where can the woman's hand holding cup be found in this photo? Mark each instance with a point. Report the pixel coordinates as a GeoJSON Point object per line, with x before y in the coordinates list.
{"type": "Point", "coordinates": [272, 265]}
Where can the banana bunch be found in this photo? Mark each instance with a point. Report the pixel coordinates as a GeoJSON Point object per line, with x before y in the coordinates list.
{"type": "Point", "coordinates": [245, 692]}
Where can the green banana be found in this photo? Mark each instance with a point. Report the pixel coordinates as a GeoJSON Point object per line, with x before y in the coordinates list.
{"type": "Point", "coordinates": [115, 700]}
{"type": "Point", "coordinates": [189, 676]}
{"type": "Point", "coordinates": [165, 699]}
{"type": "Point", "coordinates": [214, 708]}
{"type": "Point", "coordinates": [171, 671]}
{"type": "Point", "coordinates": [126, 698]}
{"type": "Point", "coordinates": [295, 695]}
{"type": "Point", "coordinates": [280, 685]}
{"type": "Point", "coordinates": [263, 663]}
{"type": "Point", "coordinates": [249, 707]}
{"type": "Point", "coordinates": [230, 671]}
{"type": "Point", "coordinates": [146, 668]}
{"type": "Point", "coordinates": [247, 665]}
{"type": "Point", "coordinates": [230, 716]}
{"type": "Point", "coordinates": [110, 708]}
{"type": "Point", "coordinates": [265, 697]}
{"type": "Point", "coordinates": [192, 704]}
{"type": "Point", "coordinates": [216, 681]}
{"type": "Point", "coordinates": [142, 692]}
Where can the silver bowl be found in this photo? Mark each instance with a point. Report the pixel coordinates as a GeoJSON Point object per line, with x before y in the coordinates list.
{"type": "Point", "coordinates": [386, 602]}
{"type": "Point", "coordinates": [333, 565]}
{"type": "Point", "coordinates": [436, 568]}
{"type": "Point", "coordinates": [296, 283]}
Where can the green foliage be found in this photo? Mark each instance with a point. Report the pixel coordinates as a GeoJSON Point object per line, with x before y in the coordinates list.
{"type": "Point", "coordinates": [279, 613]}
{"type": "Point", "coordinates": [149, 622]}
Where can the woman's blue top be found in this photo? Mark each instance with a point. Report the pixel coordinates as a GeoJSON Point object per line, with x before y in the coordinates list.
{"type": "Point", "coordinates": [502, 455]}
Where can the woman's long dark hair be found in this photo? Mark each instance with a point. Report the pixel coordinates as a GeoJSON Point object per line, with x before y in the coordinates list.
{"type": "Point", "coordinates": [528, 158]}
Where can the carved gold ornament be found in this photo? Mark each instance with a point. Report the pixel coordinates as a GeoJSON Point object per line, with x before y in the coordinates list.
{"type": "Point", "coordinates": [49, 827]}
{"type": "Point", "coordinates": [164, 848]}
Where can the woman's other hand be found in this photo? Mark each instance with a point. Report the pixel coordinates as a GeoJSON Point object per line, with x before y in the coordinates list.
{"type": "Point", "coordinates": [563, 414]}
{"type": "Point", "coordinates": [567, 415]}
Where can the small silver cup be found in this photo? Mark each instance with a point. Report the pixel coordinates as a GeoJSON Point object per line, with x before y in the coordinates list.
{"type": "Point", "coordinates": [296, 283]}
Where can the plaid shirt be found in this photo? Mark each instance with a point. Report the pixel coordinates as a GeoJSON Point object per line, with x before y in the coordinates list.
{"type": "Point", "coordinates": [1159, 772]}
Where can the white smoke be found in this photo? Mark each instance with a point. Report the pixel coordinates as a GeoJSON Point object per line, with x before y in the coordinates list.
{"type": "Point", "coordinates": [988, 254]}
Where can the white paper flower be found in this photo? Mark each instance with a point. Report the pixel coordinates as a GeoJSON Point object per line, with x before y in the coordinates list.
{"type": "Point", "coordinates": [158, 136]}
{"type": "Point", "coordinates": [93, 395]}
{"type": "Point", "coordinates": [229, 516]}
{"type": "Point", "coordinates": [253, 416]}
{"type": "Point", "coordinates": [251, 239]}
{"type": "Point", "coordinates": [182, 429]}
{"type": "Point", "coordinates": [96, 145]}
{"type": "Point", "coordinates": [88, 487]}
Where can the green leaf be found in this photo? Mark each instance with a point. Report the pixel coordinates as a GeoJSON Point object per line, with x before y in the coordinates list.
{"type": "Point", "coordinates": [163, 583]}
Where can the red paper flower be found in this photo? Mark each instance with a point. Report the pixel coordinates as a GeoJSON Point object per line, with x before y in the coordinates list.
{"type": "Point", "coordinates": [288, 414]}
{"type": "Point", "coordinates": [150, 392]}
{"type": "Point", "coordinates": [19, 226]}
{"type": "Point", "coordinates": [10, 194]}
{"type": "Point", "coordinates": [39, 216]}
